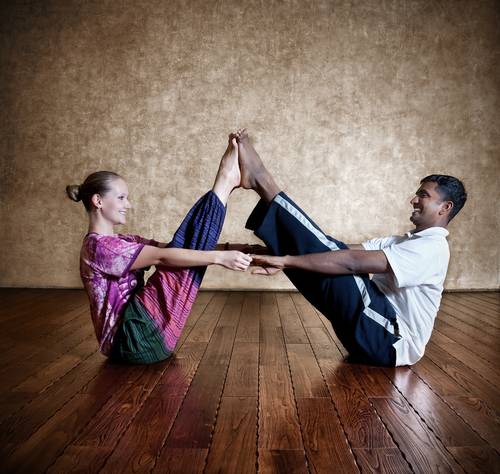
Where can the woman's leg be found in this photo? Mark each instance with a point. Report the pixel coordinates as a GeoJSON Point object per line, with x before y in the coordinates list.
{"type": "Point", "coordinates": [169, 293]}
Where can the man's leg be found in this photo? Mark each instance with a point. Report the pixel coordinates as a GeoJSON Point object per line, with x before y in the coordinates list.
{"type": "Point", "coordinates": [362, 317]}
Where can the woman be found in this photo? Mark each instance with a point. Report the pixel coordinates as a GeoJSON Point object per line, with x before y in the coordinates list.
{"type": "Point", "coordinates": [136, 322]}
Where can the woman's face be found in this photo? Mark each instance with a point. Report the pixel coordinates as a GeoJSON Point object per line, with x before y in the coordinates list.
{"type": "Point", "coordinates": [115, 203]}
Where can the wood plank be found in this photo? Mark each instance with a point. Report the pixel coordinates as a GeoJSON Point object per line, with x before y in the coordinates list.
{"type": "Point", "coordinates": [419, 446]}
{"type": "Point", "coordinates": [183, 365]}
{"type": "Point", "coordinates": [278, 420]}
{"type": "Point", "coordinates": [333, 335]}
{"type": "Point", "coordinates": [324, 439]}
{"type": "Point", "coordinates": [200, 304]}
{"type": "Point", "coordinates": [272, 346]}
{"type": "Point", "coordinates": [293, 330]}
{"type": "Point", "coordinates": [235, 437]}
{"type": "Point", "coordinates": [484, 368]}
{"type": "Point", "coordinates": [220, 347]}
{"type": "Point", "coordinates": [477, 459]}
{"type": "Point", "coordinates": [248, 327]}
{"type": "Point", "coordinates": [478, 346]}
{"type": "Point", "coordinates": [21, 425]}
{"type": "Point", "coordinates": [382, 460]}
{"type": "Point", "coordinates": [279, 461]}
{"type": "Point", "coordinates": [80, 459]}
{"type": "Point", "coordinates": [467, 324]}
{"type": "Point", "coordinates": [46, 376]}
{"type": "Point", "coordinates": [362, 425]}
{"type": "Point", "coordinates": [436, 378]}
{"type": "Point", "coordinates": [269, 314]}
{"type": "Point", "coordinates": [479, 416]}
{"type": "Point", "coordinates": [307, 312]}
{"type": "Point", "coordinates": [468, 315]}
{"type": "Point", "coordinates": [29, 359]}
{"type": "Point", "coordinates": [195, 421]}
{"type": "Point", "coordinates": [473, 298]}
{"type": "Point", "coordinates": [206, 323]}
{"type": "Point", "coordinates": [181, 461]}
{"type": "Point", "coordinates": [437, 415]}
{"type": "Point", "coordinates": [139, 446]}
{"type": "Point", "coordinates": [488, 296]}
{"type": "Point", "coordinates": [113, 418]}
{"type": "Point", "coordinates": [483, 308]}
{"type": "Point", "coordinates": [457, 370]}
{"type": "Point", "coordinates": [230, 315]}
{"type": "Point", "coordinates": [36, 454]}
{"type": "Point", "coordinates": [306, 374]}
{"type": "Point", "coordinates": [243, 374]}
{"type": "Point", "coordinates": [475, 329]}
{"type": "Point", "coordinates": [374, 382]}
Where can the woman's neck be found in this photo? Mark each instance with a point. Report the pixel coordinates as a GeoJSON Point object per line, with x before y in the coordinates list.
{"type": "Point", "coordinates": [99, 225]}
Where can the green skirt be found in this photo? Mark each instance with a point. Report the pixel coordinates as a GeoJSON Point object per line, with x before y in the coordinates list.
{"type": "Point", "coordinates": [137, 340]}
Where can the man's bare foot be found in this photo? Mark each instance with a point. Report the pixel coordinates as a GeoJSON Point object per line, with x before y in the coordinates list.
{"type": "Point", "coordinates": [254, 174]}
{"type": "Point", "coordinates": [228, 176]}
{"type": "Point", "coordinates": [251, 165]}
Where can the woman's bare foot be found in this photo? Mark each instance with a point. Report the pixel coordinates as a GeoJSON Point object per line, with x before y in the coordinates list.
{"type": "Point", "coordinates": [228, 176]}
{"type": "Point", "coordinates": [254, 174]}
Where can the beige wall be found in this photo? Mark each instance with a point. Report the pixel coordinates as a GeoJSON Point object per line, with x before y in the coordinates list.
{"type": "Point", "coordinates": [350, 103]}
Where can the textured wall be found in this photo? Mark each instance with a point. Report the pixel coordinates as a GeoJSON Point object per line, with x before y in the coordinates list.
{"type": "Point", "coordinates": [350, 103]}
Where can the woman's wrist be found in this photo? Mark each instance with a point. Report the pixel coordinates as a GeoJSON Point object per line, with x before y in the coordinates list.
{"type": "Point", "coordinates": [217, 257]}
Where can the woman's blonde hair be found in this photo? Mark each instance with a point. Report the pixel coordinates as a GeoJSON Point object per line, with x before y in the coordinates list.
{"type": "Point", "coordinates": [95, 183]}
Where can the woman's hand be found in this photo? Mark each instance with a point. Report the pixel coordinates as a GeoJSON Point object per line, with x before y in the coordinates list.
{"type": "Point", "coordinates": [269, 265]}
{"type": "Point", "coordinates": [234, 260]}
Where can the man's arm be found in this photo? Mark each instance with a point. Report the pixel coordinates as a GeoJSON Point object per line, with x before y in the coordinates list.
{"type": "Point", "coordinates": [340, 262]}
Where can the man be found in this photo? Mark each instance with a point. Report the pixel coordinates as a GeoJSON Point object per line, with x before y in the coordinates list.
{"type": "Point", "coordinates": [384, 321]}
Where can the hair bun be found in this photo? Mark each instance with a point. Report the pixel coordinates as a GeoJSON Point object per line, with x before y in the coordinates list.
{"type": "Point", "coordinates": [73, 192]}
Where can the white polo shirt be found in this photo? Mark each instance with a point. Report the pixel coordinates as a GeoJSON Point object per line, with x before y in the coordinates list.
{"type": "Point", "coordinates": [419, 262]}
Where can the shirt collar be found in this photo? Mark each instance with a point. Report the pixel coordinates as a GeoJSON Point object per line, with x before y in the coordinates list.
{"type": "Point", "coordinates": [440, 231]}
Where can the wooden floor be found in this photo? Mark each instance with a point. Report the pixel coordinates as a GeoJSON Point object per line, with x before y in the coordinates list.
{"type": "Point", "coordinates": [258, 384]}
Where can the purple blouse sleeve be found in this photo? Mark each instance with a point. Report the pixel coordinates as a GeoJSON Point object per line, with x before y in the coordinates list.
{"type": "Point", "coordinates": [143, 240]}
{"type": "Point", "coordinates": [115, 255]}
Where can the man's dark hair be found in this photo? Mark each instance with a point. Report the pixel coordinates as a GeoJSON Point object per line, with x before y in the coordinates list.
{"type": "Point", "coordinates": [451, 189]}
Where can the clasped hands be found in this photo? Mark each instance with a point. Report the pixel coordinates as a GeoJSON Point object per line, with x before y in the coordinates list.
{"type": "Point", "coordinates": [267, 264]}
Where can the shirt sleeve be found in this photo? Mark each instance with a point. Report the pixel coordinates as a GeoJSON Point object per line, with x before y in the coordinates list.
{"type": "Point", "coordinates": [415, 261]}
{"type": "Point", "coordinates": [114, 256]}
{"type": "Point", "coordinates": [143, 240]}
{"type": "Point", "coordinates": [378, 243]}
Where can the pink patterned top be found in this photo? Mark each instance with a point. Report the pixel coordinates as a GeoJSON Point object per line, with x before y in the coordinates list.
{"type": "Point", "coordinates": [105, 262]}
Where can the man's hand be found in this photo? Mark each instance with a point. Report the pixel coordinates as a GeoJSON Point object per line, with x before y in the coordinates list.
{"type": "Point", "coordinates": [269, 265]}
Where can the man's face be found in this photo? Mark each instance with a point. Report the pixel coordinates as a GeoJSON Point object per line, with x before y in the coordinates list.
{"type": "Point", "coordinates": [429, 209]}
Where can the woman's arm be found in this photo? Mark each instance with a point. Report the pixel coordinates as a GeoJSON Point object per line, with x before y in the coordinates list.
{"type": "Point", "coordinates": [340, 262]}
{"type": "Point", "coordinates": [184, 258]}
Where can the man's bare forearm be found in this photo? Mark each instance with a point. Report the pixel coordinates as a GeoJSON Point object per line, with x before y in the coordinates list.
{"type": "Point", "coordinates": [341, 262]}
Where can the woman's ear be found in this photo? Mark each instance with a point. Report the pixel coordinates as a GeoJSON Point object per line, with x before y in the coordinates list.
{"type": "Point", "coordinates": [97, 201]}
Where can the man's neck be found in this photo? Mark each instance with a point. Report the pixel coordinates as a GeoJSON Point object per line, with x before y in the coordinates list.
{"type": "Point", "coordinates": [420, 229]}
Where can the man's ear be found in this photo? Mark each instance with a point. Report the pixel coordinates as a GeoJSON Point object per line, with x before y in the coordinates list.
{"type": "Point", "coordinates": [97, 201]}
{"type": "Point", "coordinates": [446, 207]}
